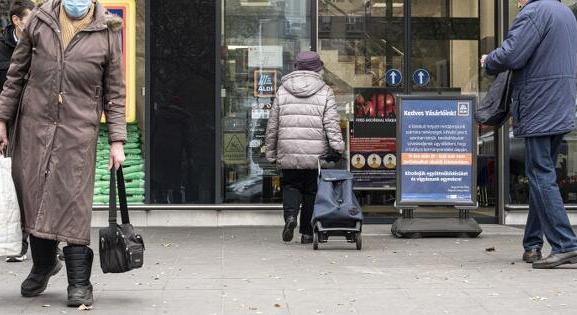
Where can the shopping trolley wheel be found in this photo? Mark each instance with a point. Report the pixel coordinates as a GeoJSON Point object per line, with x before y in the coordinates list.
{"type": "Point", "coordinates": [359, 241]}
{"type": "Point", "coordinates": [316, 240]}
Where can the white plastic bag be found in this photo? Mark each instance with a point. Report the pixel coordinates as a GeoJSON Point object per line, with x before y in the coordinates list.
{"type": "Point", "coordinates": [10, 230]}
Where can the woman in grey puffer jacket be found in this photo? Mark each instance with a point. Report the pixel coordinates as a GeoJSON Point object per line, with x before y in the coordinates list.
{"type": "Point", "coordinates": [303, 124]}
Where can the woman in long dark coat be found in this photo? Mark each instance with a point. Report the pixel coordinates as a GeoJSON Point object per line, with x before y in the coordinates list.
{"type": "Point", "coordinates": [67, 63]}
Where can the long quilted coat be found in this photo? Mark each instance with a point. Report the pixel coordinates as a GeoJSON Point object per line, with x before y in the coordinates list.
{"type": "Point", "coordinates": [61, 94]}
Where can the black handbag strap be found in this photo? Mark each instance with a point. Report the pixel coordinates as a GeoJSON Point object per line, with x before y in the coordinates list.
{"type": "Point", "coordinates": [121, 198]}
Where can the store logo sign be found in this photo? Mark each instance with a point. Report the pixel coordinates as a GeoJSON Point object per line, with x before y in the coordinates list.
{"type": "Point", "coordinates": [264, 83]}
{"type": "Point", "coordinates": [463, 109]}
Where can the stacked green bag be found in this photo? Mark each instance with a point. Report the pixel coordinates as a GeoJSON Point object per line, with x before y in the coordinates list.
{"type": "Point", "coordinates": [133, 167]}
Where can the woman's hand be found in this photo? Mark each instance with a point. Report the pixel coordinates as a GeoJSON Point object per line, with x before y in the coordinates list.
{"type": "Point", "coordinates": [116, 155]}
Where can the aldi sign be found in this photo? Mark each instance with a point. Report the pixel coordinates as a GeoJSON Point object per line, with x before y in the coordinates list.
{"type": "Point", "coordinates": [264, 83]}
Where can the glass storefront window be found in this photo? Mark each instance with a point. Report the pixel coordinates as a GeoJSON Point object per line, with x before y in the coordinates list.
{"type": "Point", "coordinates": [260, 40]}
{"type": "Point", "coordinates": [566, 163]}
{"type": "Point", "coordinates": [182, 96]}
{"type": "Point", "coordinates": [361, 44]}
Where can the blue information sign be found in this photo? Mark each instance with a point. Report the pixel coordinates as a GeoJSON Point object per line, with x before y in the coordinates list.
{"type": "Point", "coordinates": [437, 151]}
{"type": "Point", "coordinates": [393, 77]}
{"type": "Point", "coordinates": [421, 77]}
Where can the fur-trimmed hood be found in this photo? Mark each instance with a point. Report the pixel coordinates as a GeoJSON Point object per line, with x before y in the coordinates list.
{"type": "Point", "coordinates": [114, 22]}
{"type": "Point", "coordinates": [102, 17]}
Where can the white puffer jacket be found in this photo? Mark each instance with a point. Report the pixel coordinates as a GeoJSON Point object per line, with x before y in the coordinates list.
{"type": "Point", "coordinates": [303, 119]}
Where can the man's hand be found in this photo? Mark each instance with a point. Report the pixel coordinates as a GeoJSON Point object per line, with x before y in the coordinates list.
{"type": "Point", "coordinates": [483, 59]}
{"type": "Point", "coordinates": [116, 155]}
{"type": "Point", "coordinates": [3, 138]}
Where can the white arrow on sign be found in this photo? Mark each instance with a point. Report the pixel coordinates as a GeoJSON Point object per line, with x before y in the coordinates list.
{"type": "Point", "coordinates": [393, 77]}
{"type": "Point", "coordinates": [421, 77]}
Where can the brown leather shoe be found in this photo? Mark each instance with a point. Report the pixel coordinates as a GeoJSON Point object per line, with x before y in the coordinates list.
{"type": "Point", "coordinates": [531, 256]}
{"type": "Point", "coordinates": [555, 260]}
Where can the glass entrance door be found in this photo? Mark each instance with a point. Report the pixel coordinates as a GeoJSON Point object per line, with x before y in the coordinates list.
{"type": "Point", "coordinates": [360, 42]}
{"type": "Point", "coordinates": [375, 50]}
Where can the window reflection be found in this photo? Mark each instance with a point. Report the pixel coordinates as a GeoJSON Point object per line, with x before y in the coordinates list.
{"type": "Point", "coordinates": [182, 135]}
{"type": "Point", "coordinates": [260, 42]}
{"type": "Point", "coordinates": [359, 45]}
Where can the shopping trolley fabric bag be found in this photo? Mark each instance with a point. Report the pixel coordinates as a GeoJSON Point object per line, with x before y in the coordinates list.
{"type": "Point", "coordinates": [10, 226]}
{"type": "Point", "coordinates": [336, 203]}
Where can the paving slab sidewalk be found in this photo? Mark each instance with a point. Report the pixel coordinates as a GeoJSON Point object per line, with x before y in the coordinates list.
{"type": "Point", "coordinates": [248, 270]}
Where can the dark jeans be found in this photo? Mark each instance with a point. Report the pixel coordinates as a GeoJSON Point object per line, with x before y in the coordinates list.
{"type": "Point", "coordinates": [300, 189]}
{"type": "Point", "coordinates": [547, 214]}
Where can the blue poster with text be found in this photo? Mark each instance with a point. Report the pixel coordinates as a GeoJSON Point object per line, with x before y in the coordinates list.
{"type": "Point", "coordinates": [436, 151]}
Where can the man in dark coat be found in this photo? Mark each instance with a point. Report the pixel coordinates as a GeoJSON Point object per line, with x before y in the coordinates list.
{"type": "Point", "coordinates": [19, 15]}
{"type": "Point", "coordinates": [541, 49]}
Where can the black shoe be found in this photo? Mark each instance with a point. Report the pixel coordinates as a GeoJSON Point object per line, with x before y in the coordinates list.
{"type": "Point", "coordinates": [531, 256]}
{"type": "Point", "coordinates": [78, 268]}
{"type": "Point", "coordinates": [306, 239]}
{"type": "Point", "coordinates": [555, 260]}
{"type": "Point", "coordinates": [22, 256]}
{"type": "Point", "coordinates": [44, 266]}
{"type": "Point", "coordinates": [289, 228]}
{"type": "Point", "coordinates": [19, 258]}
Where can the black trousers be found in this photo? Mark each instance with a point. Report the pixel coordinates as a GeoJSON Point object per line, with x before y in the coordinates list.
{"type": "Point", "coordinates": [299, 191]}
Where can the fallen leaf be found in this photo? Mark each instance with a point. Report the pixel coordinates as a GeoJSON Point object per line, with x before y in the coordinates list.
{"type": "Point", "coordinates": [84, 308]}
{"type": "Point", "coordinates": [490, 249]}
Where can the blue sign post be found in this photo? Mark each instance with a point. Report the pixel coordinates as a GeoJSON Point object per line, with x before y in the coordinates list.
{"type": "Point", "coordinates": [437, 154]}
{"type": "Point", "coordinates": [421, 77]}
{"type": "Point", "coordinates": [393, 77]}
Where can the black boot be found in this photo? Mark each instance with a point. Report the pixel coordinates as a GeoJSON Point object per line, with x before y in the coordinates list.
{"type": "Point", "coordinates": [289, 227]}
{"type": "Point", "coordinates": [44, 266]}
{"type": "Point", "coordinates": [78, 260]}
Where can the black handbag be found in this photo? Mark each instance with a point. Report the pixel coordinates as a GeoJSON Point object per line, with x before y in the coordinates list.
{"type": "Point", "coordinates": [121, 249]}
{"type": "Point", "coordinates": [494, 108]}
